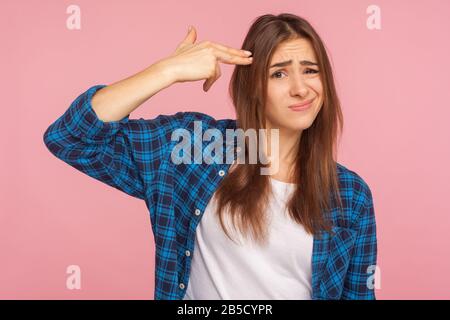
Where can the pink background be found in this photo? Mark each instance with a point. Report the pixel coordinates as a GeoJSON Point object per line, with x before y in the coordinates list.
{"type": "Point", "coordinates": [394, 88]}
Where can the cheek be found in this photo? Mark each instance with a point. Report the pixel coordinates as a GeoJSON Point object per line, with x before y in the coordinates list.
{"type": "Point", "coordinates": [316, 85]}
{"type": "Point", "coordinates": [275, 91]}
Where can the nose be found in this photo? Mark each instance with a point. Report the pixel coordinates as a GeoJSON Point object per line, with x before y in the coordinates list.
{"type": "Point", "coordinates": [298, 87]}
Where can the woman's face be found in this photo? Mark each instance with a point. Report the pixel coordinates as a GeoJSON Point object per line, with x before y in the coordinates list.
{"type": "Point", "coordinates": [294, 82]}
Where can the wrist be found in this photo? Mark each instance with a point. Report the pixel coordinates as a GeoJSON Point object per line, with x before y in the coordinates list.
{"type": "Point", "coordinates": [165, 71]}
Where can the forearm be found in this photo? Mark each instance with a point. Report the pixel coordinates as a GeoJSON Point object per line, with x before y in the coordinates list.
{"type": "Point", "coordinates": [115, 101]}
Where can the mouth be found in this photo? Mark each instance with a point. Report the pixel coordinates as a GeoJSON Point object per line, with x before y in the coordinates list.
{"type": "Point", "coordinates": [301, 106]}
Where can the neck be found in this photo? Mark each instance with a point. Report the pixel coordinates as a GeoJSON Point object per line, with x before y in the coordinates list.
{"type": "Point", "coordinates": [283, 160]}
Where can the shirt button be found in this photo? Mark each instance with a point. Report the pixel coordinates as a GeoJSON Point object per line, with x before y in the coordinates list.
{"type": "Point", "coordinates": [181, 286]}
{"type": "Point", "coordinates": [188, 253]}
{"type": "Point", "coordinates": [197, 212]}
{"type": "Point", "coordinates": [238, 149]}
{"type": "Point", "coordinates": [221, 173]}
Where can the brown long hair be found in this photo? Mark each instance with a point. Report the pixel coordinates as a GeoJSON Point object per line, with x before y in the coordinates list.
{"type": "Point", "coordinates": [244, 191]}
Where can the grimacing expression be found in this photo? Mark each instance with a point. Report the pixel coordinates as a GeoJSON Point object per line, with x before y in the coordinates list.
{"type": "Point", "coordinates": [293, 82]}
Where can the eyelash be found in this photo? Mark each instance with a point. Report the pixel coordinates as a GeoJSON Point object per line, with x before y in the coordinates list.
{"type": "Point", "coordinates": [279, 71]}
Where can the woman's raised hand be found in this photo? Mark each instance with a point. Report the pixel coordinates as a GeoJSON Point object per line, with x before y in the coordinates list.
{"type": "Point", "coordinates": [196, 61]}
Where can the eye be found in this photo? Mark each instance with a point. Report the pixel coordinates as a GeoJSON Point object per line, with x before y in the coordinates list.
{"type": "Point", "coordinates": [307, 71]}
{"type": "Point", "coordinates": [274, 75]}
{"type": "Point", "coordinates": [314, 71]}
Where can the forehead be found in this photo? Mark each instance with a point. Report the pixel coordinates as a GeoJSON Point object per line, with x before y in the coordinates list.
{"type": "Point", "coordinates": [298, 48]}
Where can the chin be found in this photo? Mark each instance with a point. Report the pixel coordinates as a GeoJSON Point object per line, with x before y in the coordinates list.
{"type": "Point", "coordinates": [299, 124]}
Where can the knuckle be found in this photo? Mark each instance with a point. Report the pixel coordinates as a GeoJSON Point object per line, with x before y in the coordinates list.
{"type": "Point", "coordinates": [210, 50]}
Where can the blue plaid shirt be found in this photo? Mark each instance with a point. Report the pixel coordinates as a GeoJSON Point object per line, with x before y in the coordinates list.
{"type": "Point", "coordinates": [133, 155]}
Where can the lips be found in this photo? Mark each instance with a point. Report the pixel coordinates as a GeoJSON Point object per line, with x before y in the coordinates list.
{"type": "Point", "coordinates": [301, 106]}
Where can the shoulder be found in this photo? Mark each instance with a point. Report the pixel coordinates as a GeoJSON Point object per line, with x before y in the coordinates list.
{"type": "Point", "coordinates": [354, 191]}
{"type": "Point", "coordinates": [350, 178]}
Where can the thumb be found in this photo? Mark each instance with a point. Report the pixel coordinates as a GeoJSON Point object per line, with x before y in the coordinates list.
{"type": "Point", "coordinates": [191, 36]}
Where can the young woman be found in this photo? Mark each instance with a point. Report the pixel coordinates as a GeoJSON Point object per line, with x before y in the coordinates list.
{"type": "Point", "coordinates": [307, 231]}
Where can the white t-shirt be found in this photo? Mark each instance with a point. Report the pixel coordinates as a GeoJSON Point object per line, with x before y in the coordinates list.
{"type": "Point", "coordinates": [224, 270]}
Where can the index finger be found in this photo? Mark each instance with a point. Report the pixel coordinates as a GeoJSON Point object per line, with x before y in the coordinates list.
{"type": "Point", "coordinates": [240, 52]}
{"type": "Point", "coordinates": [230, 58]}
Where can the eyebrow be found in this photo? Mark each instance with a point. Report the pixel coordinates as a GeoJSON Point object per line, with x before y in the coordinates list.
{"type": "Point", "coordinates": [288, 62]}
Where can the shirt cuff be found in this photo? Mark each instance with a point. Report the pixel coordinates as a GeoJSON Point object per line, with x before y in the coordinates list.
{"type": "Point", "coordinates": [82, 121]}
